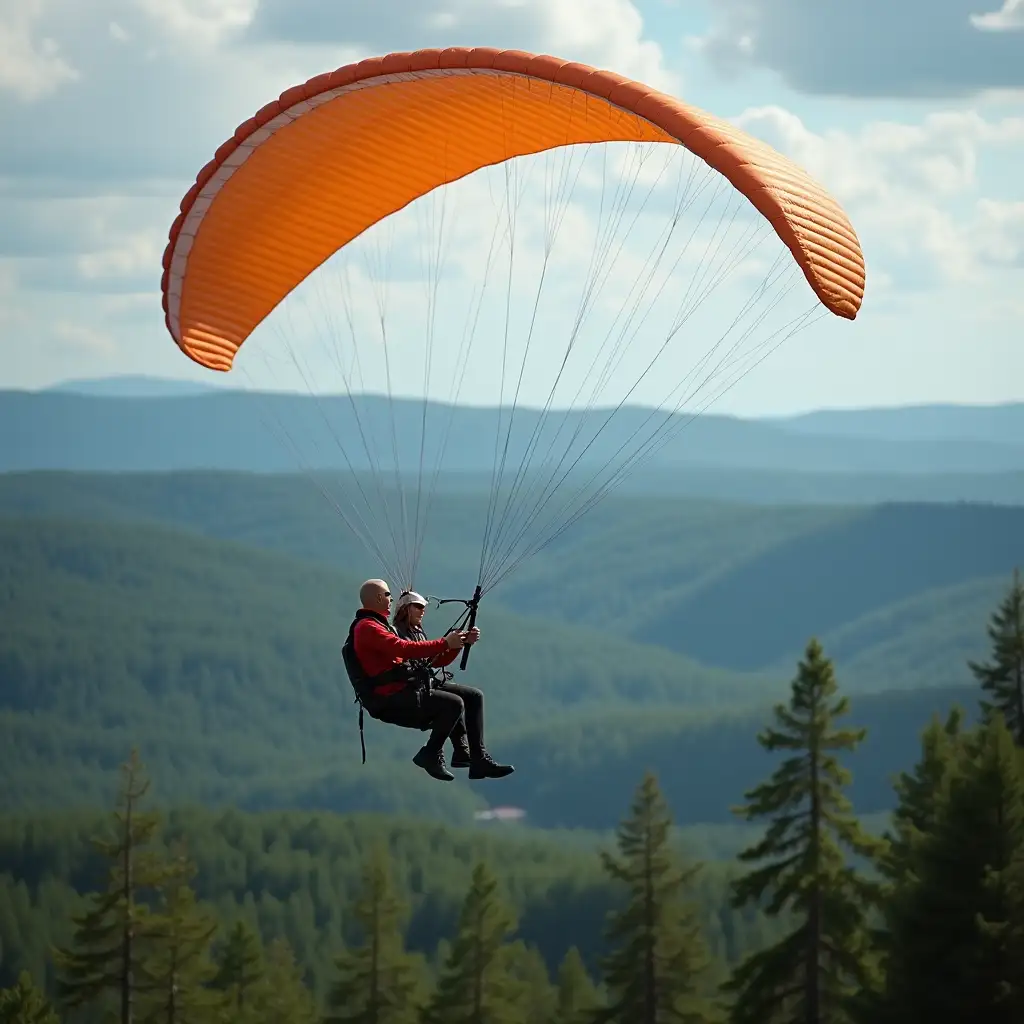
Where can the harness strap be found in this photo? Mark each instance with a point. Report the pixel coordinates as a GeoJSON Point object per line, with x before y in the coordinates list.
{"type": "Point", "coordinates": [362, 741]}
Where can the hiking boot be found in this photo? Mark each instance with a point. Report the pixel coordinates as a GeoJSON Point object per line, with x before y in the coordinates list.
{"type": "Point", "coordinates": [485, 767]}
{"type": "Point", "coordinates": [460, 756]}
{"type": "Point", "coordinates": [433, 764]}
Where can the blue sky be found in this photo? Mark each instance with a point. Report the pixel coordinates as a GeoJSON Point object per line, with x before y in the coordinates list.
{"type": "Point", "coordinates": [911, 113]}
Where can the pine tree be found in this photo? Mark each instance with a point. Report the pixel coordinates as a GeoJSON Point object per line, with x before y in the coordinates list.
{"type": "Point", "coordinates": [1002, 677]}
{"type": "Point", "coordinates": [920, 799]}
{"type": "Point", "coordinates": [23, 1003]}
{"type": "Point", "coordinates": [379, 983]}
{"type": "Point", "coordinates": [955, 920]}
{"type": "Point", "coordinates": [920, 794]}
{"type": "Point", "coordinates": [578, 996]}
{"type": "Point", "coordinates": [240, 967]}
{"type": "Point", "coordinates": [180, 968]}
{"type": "Point", "coordinates": [112, 938]}
{"type": "Point", "coordinates": [814, 973]}
{"type": "Point", "coordinates": [659, 962]}
{"type": "Point", "coordinates": [530, 988]}
{"type": "Point", "coordinates": [473, 986]}
{"type": "Point", "coordinates": [281, 996]}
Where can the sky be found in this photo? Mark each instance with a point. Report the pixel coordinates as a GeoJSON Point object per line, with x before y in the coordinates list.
{"type": "Point", "coordinates": [910, 113]}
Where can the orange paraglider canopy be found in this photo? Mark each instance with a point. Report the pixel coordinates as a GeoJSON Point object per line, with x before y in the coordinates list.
{"type": "Point", "coordinates": [315, 168]}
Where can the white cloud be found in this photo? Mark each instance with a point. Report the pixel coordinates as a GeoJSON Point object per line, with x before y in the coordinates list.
{"type": "Point", "coordinates": [999, 232]}
{"type": "Point", "coordinates": [605, 33]}
{"type": "Point", "coordinates": [1009, 18]}
{"type": "Point", "coordinates": [31, 65]}
{"type": "Point", "coordinates": [207, 23]}
{"type": "Point", "coordinates": [922, 48]}
{"type": "Point", "coordinates": [912, 191]}
{"type": "Point", "coordinates": [83, 337]}
{"type": "Point", "coordinates": [610, 34]}
{"type": "Point", "coordinates": [134, 254]}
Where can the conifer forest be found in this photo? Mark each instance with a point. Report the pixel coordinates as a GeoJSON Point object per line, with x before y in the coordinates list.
{"type": "Point", "coordinates": [143, 912]}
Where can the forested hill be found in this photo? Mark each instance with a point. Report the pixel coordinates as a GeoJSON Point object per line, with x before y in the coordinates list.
{"type": "Point", "coordinates": [294, 875]}
{"type": "Point", "coordinates": [221, 662]}
{"type": "Point", "coordinates": [899, 593]}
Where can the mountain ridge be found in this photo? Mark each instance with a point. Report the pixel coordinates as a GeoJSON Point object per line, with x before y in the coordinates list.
{"type": "Point", "coordinates": [225, 429]}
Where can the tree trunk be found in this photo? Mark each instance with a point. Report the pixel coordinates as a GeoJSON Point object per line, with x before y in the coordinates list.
{"type": "Point", "coordinates": [814, 913]}
{"type": "Point", "coordinates": [127, 936]}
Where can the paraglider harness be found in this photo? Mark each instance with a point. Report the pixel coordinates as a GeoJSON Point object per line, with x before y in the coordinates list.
{"type": "Point", "coordinates": [408, 677]}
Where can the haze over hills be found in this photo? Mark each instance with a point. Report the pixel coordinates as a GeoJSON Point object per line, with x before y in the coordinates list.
{"type": "Point", "coordinates": [223, 429]}
{"type": "Point", "coordinates": [920, 422]}
{"type": "Point", "coordinates": [1002, 422]}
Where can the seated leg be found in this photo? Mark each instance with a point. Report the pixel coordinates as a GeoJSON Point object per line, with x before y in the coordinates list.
{"type": "Point", "coordinates": [443, 712]}
{"type": "Point", "coordinates": [474, 754]}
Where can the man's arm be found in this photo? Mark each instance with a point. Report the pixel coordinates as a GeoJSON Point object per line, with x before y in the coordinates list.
{"type": "Point", "coordinates": [446, 657]}
{"type": "Point", "coordinates": [375, 640]}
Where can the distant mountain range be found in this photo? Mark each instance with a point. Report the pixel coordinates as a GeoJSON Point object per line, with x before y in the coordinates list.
{"type": "Point", "coordinates": [926, 453]}
{"type": "Point", "coordinates": [994, 423]}
{"type": "Point", "coordinates": [131, 386]}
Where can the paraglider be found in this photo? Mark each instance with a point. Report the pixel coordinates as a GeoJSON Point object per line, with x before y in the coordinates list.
{"type": "Point", "coordinates": [314, 168]}
{"type": "Point", "coordinates": [318, 170]}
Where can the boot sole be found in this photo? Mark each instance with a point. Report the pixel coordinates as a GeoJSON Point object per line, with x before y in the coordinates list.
{"type": "Point", "coordinates": [487, 775]}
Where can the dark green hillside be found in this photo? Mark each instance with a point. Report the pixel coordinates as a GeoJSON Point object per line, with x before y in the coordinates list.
{"type": "Point", "coordinates": [924, 641]}
{"type": "Point", "coordinates": [578, 768]}
{"type": "Point", "coordinates": [137, 610]}
{"type": "Point", "coordinates": [825, 578]}
{"type": "Point", "coordinates": [673, 572]}
{"type": "Point", "coordinates": [224, 661]}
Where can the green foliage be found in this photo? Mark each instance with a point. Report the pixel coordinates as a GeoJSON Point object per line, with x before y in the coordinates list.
{"type": "Point", "coordinates": [1002, 676]}
{"type": "Point", "coordinates": [531, 992]}
{"type": "Point", "coordinates": [240, 967]}
{"type": "Point", "coordinates": [379, 983]}
{"type": "Point", "coordinates": [179, 969]}
{"type": "Point", "coordinates": [814, 973]}
{"type": "Point", "coordinates": [23, 1003]}
{"type": "Point", "coordinates": [578, 996]}
{"type": "Point", "coordinates": [282, 995]}
{"type": "Point", "coordinates": [475, 985]}
{"type": "Point", "coordinates": [920, 793]}
{"type": "Point", "coordinates": [658, 961]}
{"type": "Point", "coordinates": [113, 938]}
{"type": "Point", "coordinates": [955, 918]}
{"type": "Point", "coordinates": [294, 874]}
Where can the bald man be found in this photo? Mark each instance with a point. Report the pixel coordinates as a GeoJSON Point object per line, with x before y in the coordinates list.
{"type": "Point", "coordinates": [393, 688]}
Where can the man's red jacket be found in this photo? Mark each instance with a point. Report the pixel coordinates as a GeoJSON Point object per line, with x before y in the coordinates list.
{"type": "Point", "coordinates": [378, 649]}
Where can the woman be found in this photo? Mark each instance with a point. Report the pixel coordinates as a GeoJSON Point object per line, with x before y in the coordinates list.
{"type": "Point", "coordinates": [468, 735]}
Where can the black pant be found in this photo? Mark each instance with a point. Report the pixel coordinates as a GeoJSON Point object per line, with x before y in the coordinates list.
{"type": "Point", "coordinates": [446, 709]}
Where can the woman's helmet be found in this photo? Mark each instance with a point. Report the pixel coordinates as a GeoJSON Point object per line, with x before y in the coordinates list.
{"type": "Point", "coordinates": [410, 597]}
